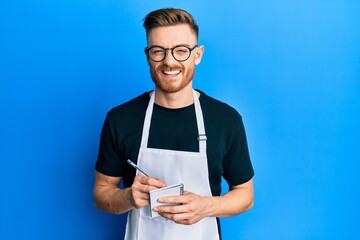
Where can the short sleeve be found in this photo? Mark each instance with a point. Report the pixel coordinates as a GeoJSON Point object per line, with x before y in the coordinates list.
{"type": "Point", "coordinates": [110, 160]}
{"type": "Point", "coordinates": [237, 164]}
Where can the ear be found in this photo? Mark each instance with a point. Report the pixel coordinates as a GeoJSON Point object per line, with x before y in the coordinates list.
{"type": "Point", "coordinates": [199, 51]}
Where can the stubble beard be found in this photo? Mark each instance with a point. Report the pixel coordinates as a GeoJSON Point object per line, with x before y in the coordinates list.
{"type": "Point", "coordinates": [171, 86]}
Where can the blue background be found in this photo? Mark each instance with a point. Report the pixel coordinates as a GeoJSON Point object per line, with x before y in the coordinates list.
{"type": "Point", "coordinates": [291, 68]}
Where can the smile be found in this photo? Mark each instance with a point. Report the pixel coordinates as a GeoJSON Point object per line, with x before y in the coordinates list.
{"type": "Point", "coordinates": [172, 73]}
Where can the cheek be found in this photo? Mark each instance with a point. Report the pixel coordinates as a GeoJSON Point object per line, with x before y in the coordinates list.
{"type": "Point", "coordinates": [153, 66]}
{"type": "Point", "coordinates": [188, 67]}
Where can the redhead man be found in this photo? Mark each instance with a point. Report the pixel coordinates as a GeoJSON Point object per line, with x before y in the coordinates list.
{"type": "Point", "coordinates": [176, 135]}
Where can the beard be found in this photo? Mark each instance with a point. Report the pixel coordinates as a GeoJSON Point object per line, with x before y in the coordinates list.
{"type": "Point", "coordinates": [171, 86]}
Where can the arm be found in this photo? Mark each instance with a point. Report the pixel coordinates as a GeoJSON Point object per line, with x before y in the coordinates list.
{"type": "Point", "coordinates": [193, 207]}
{"type": "Point", "coordinates": [239, 199]}
{"type": "Point", "coordinates": [110, 198]}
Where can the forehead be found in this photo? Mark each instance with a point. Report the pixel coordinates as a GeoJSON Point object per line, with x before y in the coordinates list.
{"type": "Point", "coordinates": [170, 36]}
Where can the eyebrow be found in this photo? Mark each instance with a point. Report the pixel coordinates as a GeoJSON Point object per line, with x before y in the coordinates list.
{"type": "Point", "coordinates": [183, 44]}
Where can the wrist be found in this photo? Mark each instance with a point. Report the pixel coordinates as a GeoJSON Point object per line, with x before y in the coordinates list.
{"type": "Point", "coordinates": [212, 206]}
{"type": "Point", "coordinates": [129, 198]}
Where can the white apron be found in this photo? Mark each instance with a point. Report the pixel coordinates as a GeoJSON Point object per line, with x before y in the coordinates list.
{"type": "Point", "coordinates": [189, 168]}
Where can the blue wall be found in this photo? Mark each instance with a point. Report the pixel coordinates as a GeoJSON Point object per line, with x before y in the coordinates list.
{"type": "Point", "coordinates": [291, 68]}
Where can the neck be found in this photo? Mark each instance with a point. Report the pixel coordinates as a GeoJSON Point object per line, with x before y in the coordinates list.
{"type": "Point", "coordinates": [179, 99]}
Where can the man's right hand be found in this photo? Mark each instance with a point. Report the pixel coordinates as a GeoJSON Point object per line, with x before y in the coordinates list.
{"type": "Point", "coordinates": [139, 191]}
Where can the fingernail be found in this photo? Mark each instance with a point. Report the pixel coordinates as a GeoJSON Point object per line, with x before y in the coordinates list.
{"type": "Point", "coordinates": [155, 209]}
{"type": "Point", "coordinates": [160, 200]}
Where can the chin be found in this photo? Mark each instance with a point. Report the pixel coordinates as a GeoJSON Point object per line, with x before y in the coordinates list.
{"type": "Point", "coordinates": [169, 89]}
{"type": "Point", "coordinates": [171, 86]}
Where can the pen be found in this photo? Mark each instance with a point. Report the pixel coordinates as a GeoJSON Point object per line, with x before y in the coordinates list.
{"type": "Point", "coordinates": [134, 165]}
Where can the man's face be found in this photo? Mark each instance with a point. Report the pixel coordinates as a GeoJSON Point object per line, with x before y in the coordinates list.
{"type": "Point", "coordinates": [169, 75]}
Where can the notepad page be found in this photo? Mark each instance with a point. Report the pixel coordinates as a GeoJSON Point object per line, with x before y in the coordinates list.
{"type": "Point", "coordinates": [173, 190]}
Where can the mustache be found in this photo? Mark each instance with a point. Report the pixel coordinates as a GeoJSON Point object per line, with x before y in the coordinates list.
{"type": "Point", "coordinates": [163, 67]}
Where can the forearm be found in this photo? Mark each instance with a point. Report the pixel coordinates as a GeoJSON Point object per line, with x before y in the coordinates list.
{"type": "Point", "coordinates": [113, 199]}
{"type": "Point", "coordinates": [236, 201]}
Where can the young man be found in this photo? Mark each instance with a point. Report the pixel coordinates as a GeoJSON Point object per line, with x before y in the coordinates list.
{"type": "Point", "coordinates": [176, 135]}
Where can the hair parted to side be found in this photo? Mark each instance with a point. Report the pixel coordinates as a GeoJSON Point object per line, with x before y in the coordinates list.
{"type": "Point", "coordinates": [169, 17]}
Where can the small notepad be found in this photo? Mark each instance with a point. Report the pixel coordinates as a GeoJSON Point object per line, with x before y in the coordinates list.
{"type": "Point", "coordinates": [173, 190]}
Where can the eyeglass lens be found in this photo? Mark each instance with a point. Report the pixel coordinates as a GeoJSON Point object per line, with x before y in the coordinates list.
{"type": "Point", "coordinates": [180, 53]}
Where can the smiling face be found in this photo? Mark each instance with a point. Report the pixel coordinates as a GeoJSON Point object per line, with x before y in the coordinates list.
{"type": "Point", "coordinates": [169, 75]}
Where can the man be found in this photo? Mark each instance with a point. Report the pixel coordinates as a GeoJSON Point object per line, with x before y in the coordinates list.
{"type": "Point", "coordinates": [176, 135]}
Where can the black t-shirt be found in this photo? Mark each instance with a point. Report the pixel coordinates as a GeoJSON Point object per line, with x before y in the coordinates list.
{"type": "Point", "coordinates": [176, 129]}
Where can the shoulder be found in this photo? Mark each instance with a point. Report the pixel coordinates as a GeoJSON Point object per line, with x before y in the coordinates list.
{"type": "Point", "coordinates": [217, 109]}
{"type": "Point", "coordinates": [132, 108]}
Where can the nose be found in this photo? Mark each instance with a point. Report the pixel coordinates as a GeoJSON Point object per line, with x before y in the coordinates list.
{"type": "Point", "coordinates": [169, 58]}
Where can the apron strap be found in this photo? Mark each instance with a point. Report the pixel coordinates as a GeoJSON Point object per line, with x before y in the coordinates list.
{"type": "Point", "coordinates": [199, 120]}
{"type": "Point", "coordinates": [147, 121]}
{"type": "Point", "coordinates": [200, 124]}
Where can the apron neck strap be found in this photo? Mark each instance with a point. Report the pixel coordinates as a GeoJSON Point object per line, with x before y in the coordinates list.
{"type": "Point", "coordinates": [199, 120]}
{"type": "Point", "coordinates": [200, 124]}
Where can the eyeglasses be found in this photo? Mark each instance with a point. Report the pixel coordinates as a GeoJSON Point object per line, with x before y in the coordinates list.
{"type": "Point", "coordinates": [180, 53]}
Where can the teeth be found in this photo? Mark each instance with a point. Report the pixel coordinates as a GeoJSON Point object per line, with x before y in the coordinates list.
{"type": "Point", "coordinates": [172, 72]}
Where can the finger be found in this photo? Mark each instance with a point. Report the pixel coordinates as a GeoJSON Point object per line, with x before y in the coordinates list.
{"type": "Point", "coordinates": [155, 182]}
{"type": "Point", "coordinates": [182, 218]}
{"type": "Point", "coordinates": [140, 195]}
{"type": "Point", "coordinates": [187, 221]}
{"type": "Point", "coordinates": [174, 199]}
{"type": "Point", "coordinates": [143, 189]}
{"type": "Point", "coordinates": [171, 209]}
{"type": "Point", "coordinates": [146, 184]}
{"type": "Point", "coordinates": [139, 203]}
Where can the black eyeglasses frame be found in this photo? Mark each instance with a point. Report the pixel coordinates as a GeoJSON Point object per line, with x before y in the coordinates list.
{"type": "Point", "coordinates": [147, 49]}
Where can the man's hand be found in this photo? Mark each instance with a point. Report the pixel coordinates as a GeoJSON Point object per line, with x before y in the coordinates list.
{"type": "Point", "coordinates": [193, 207]}
{"type": "Point", "coordinates": [110, 198]}
{"type": "Point", "coordinates": [139, 194]}
{"type": "Point", "coordinates": [191, 210]}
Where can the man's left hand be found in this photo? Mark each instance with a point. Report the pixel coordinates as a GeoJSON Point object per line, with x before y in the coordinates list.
{"type": "Point", "coordinates": [191, 210]}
